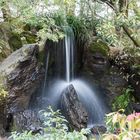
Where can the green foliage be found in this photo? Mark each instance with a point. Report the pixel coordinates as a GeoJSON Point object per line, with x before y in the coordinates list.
{"type": "Point", "coordinates": [122, 101]}
{"type": "Point", "coordinates": [122, 127]}
{"type": "Point", "coordinates": [79, 27]}
{"type": "Point", "coordinates": [28, 15]}
{"type": "Point", "coordinates": [106, 30]}
{"type": "Point", "coordinates": [55, 128]}
{"type": "Point", "coordinates": [3, 94]}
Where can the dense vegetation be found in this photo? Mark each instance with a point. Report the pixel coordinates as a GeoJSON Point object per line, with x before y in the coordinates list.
{"type": "Point", "coordinates": [119, 127]}
{"type": "Point", "coordinates": [116, 23]}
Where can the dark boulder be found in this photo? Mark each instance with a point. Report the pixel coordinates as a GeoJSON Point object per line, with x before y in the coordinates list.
{"type": "Point", "coordinates": [99, 129]}
{"type": "Point", "coordinates": [22, 74]}
{"type": "Point", "coordinates": [72, 109]}
{"type": "Point", "coordinates": [27, 120]}
{"type": "Point", "coordinates": [3, 121]}
{"type": "Point", "coordinates": [136, 107]}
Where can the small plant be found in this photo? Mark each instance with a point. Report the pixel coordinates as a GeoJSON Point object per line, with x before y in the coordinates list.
{"type": "Point", "coordinates": [55, 128]}
{"type": "Point", "coordinates": [122, 127]}
{"type": "Point", "coordinates": [3, 94]}
{"type": "Point", "coordinates": [122, 101]}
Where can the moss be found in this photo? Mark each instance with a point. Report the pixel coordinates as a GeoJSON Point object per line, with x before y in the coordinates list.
{"type": "Point", "coordinates": [41, 56]}
{"type": "Point", "coordinates": [30, 37]}
{"type": "Point", "coordinates": [4, 50]}
{"type": "Point", "coordinates": [99, 47]}
{"type": "Point", "coordinates": [15, 41]}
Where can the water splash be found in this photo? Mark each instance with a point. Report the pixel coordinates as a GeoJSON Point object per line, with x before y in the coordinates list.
{"type": "Point", "coordinates": [91, 101]}
{"type": "Point", "coordinates": [95, 107]}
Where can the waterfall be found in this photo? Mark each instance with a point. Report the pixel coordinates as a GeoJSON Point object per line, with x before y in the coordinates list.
{"type": "Point", "coordinates": [93, 103]}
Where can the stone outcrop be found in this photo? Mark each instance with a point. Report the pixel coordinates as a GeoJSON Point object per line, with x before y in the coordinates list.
{"type": "Point", "coordinates": [22, 75]}
{"type": "Point", "coordinates": [3, 121]}
{"type": "Point", "coordinates": [72, 109]}
{"type": "Point", "coordinates": [99, 69]}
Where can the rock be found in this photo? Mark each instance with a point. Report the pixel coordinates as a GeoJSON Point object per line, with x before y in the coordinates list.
{"type": "Point", "coordinates": [10, 37]}
{"type": "Point", "coordinates": [102, 72]}
{"type": "Point", "coordinates": [22, 75]}
{"type": "Point", "coordinates": [100, 129]}
{"type": "Point", "coordinates": [27, 120]}
{"type": "Point", "coordinates": [15, 41]}
{"type": "Point", "coordinates": [96, 60]}
{"type": "Point", "coordinates": [3, 113]}
{"type": "Point", "coordinates": [72, 109]}
{"type": "Point", "coordinates": [136, 107]}
{"type": "Point", "coordinates": [113, 83]}
{"type": "Point", "coordinates": [96, 64]}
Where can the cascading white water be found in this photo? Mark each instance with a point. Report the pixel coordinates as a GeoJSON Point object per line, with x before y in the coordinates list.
{"type": "Point", "coordinates": [46, 71]}
{"type": "Point", "coordinates": [69, 52]}
{"type": "Point", "coordinates": [89, 98]}
{"type": "Point", "coordinates": [67, 47]}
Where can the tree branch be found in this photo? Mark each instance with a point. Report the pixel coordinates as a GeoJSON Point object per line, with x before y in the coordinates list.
{"type": "Point", "coordinates": [129, 33]}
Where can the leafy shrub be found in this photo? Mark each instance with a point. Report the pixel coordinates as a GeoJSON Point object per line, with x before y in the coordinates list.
{"type": "Point", "coordinates": [55, 128]}
{"type": "Point", "coordinates": [122, 127]}
{"type": "Point", "coordinates": [122, 101]}
{"type": "Point", "coordinates": [79, 27]}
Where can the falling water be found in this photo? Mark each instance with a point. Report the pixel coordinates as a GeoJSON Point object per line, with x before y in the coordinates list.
{"type": "Point", "coordinates": [69, 52]}
{"type": "Point", "coordinates": [90, 99]}
{"type": "Point", "coordinates": [67, 45]}
{"type": "Point", "coordinates": [46, 71]}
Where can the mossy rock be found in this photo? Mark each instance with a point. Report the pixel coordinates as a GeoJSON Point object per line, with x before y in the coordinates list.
{"type": "Point", "coordinates": [5, 29]}
{"type": "Point", "coordinates": [11, 38]}
{"type": "Point", "coordinates": [15, 41]}
{"type": "Point", "coordinates": [30, 37]}
{"type": "Point", "coordinates": [4, 49]}
{"type": "Point", "coordinates": [99, 47]}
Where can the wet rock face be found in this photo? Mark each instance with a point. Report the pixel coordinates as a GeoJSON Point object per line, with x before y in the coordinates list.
{"type": "Point", "coordinates": [72, 109]}
{"type": "Point", "coordinates": [3, 120]}
{"type": "Point", "coordinates": [22, 76]}
{"type": "Point", "coordinates": [27, 120]}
